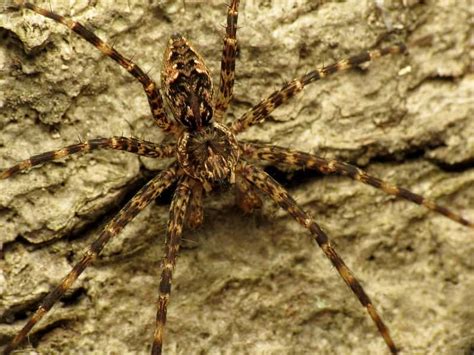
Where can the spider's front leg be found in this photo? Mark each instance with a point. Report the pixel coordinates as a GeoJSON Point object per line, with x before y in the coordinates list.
{"type": "Point", "coordinates": [147, 194]}
{"type": "Point", "coordinates": [262, 110]}
{"type": "Point", "coordinates": [152, 91]}
{"type": "Point", "coordinates": [132, 145]}
{"type": "Point", "coordinates": [296, 159]}
{"type": "Point", "coordinates": [265, 183]}
{"type": "Point", "coordinates": [229, 53]}
{"type": "Point", "coordinates": [178, 210]}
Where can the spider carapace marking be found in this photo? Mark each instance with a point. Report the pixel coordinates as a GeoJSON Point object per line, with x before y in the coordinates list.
{"type": "Point", "coordinates": [207, 153]}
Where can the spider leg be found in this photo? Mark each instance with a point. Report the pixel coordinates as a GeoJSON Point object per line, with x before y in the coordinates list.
{"type": "Point", "coordinates": [131, 145]}
{"type": "Point", "coordinates": [261, 111]}
{"type": "Point", "coordinates": [293, 158]}
{"type": "Point", "coordinates": [229, 52]}
{"type": "Point", "coordinates": [245, 196]}
{"type": "Point", "coordinates": [196, 208]}
{"type": "Point", "coordinates": [264, 182]}
{"type": "Point", "coordinates": [153, 94]}
{"type": "Point", "coordinates": [178, 210]}
{"type": "Point", "coordinates": [146, 195]}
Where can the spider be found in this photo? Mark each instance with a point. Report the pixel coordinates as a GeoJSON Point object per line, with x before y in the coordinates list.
{"type": "Point", "coordinates": [228, 164]}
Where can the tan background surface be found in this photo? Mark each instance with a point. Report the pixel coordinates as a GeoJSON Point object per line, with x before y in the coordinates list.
{"type": "Point", "coordinates": [245, 284]}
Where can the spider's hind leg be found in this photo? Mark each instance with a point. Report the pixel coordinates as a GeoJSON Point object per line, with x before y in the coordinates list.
{"type": "Point", "coordinates": [245, 196]}
{"type": "Point", "coordinates": [195, 215]}
{"type": "Point", "coordinates": [265, 183]}
{"type": "Point", "coordinates": [176, 222]}
{"type": "Point", "coordinates": [146, 195]}
{"type": "Point", "coordinates": [296, 159]}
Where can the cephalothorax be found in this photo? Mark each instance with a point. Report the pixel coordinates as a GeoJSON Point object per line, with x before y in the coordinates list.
{"type": "Point", "coordinates": [209, 154]}
{"type": "Point", "coordinates": [206, 154]}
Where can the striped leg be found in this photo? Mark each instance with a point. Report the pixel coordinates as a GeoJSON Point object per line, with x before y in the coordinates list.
{"type": "Point", "coordinates": [178, 210]}
{"type": "Point", "coordinates": [152, 92]}
{"type": "Point", "coordinates": [226, 85]}
{"type": "Point", "coordinates": [294, 158]}
{"type": "Point", "coordinates": [131, 145]}
{"type": "Point", "coordinates": [261, 111]}
{"type": "Point", "coordinates": [265, 183]}
{"type": "Point", "coordinates": [196, 208]}
{"type": "Point", "coordinates": [246, 196]}
{"type": "Point", "coordinates": [146, 195]}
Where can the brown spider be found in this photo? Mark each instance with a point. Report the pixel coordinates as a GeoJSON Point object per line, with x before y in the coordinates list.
{"type": "Point", "coordinates": [208, 154]}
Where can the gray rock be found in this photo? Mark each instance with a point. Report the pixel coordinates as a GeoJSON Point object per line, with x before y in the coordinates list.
{"type": "Point", "coordinates": [244, 284]}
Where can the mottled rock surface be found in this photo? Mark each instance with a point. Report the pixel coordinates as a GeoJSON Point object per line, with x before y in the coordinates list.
{"type": "Point", "coordinates": [244, 284]}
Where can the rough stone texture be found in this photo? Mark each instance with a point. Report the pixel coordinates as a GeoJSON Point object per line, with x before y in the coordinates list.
{"type": "Point", "coordinates": [245, 284]}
